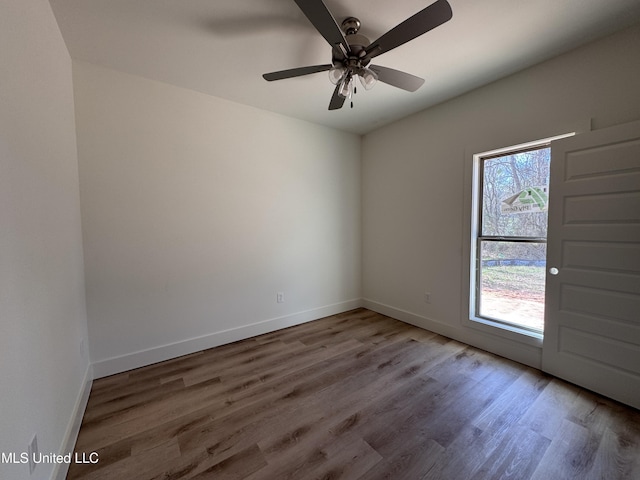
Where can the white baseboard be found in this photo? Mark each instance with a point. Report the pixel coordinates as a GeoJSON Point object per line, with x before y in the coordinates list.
{"type": "Point", "coordinates": [73, 427]}
{"type": "Point", "coordinates": [142, 358]}
{"type": "Point", "coordinates": [410, 318]}
{"type": "Point", "coordinates": [520, 352]}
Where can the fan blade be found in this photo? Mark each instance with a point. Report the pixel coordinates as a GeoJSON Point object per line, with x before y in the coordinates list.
{"type": "Point", "coordinates": [431, 17]}
{"type": "Point", "coordinates": [337, 100]}
{"type": "Point", "coordinates": [321, 18]}
{"type": "Point", "coordinates": [296, 72]}
{"type": "Point", "coordinates": [396, 78]}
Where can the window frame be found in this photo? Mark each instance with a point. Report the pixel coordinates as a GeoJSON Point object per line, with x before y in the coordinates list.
{"type": "Point", "coordinates": [477, 189]}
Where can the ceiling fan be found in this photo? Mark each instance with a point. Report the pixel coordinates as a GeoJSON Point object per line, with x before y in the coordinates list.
{"type": "Point", "coordinates": [352, 52]}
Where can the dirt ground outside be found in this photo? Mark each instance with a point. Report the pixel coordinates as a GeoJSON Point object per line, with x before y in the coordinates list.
{"type": "Point", "coordinates": [514, 294]}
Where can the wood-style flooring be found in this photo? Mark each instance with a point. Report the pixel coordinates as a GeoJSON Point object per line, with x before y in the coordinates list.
{"type": "Point", "coordinates": [352, 396]}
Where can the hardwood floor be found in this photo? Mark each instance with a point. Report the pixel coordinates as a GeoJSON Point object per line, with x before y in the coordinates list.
{"type": "Point", "coordinates": [352, 396]}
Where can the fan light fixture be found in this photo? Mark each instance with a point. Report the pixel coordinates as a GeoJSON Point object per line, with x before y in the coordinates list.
{"type": "Point", "coordinates": [368, 78]}
{"type": "Point", "coordinates": [339, 75]}
{"type": "Point", "coordinates": [336, 74]}
{"type": "Point", "coordinates": [346, 87]}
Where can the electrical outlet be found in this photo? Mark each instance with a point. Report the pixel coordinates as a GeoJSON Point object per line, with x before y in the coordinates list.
{"type": "Point", "coordinates": [280, 297]}
{"type": "Point", "coordinates": [32, 448]}
{"type": "Point", "coordinates": [427, 297]}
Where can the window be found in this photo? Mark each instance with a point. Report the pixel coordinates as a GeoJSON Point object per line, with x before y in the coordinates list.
{"type": "Point", "coordinates": [509, 237]}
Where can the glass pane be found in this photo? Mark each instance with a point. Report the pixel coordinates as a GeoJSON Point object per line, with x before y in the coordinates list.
{"type": "Point", "coordinates": [512, 278]}
{"type": "Point", "coordinates": [515, 193]}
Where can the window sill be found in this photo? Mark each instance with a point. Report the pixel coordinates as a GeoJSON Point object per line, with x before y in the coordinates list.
{"type": "Point", "coordinates": [510, 332]}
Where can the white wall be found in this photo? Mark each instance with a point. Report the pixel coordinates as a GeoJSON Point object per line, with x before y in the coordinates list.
{"type": "Point", "coordinates": [42, 311]}
{"type": "Point", "coordinates": [416, 178]}
{"type": "Point", "coordinates": [196, 211]}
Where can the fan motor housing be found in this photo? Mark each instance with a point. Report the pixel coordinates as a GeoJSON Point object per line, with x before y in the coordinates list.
{"type": "Point", "coordinates": [357, 41]}
{"type": "Point", "coordinates": [357, 44]}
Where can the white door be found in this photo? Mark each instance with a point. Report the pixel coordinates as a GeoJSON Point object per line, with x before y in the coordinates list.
{"type": "Point", "coordinates": [592, 312]}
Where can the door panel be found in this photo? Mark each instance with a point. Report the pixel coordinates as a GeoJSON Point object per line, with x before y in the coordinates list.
{"type": "Point", "coordinates": [592, 311]}
{"type": "Point", "coordinates": [581, 164]}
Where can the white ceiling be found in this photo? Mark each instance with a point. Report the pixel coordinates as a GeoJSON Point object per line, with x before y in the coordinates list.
{"type": "Point", "coordinates": [222, 48]}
